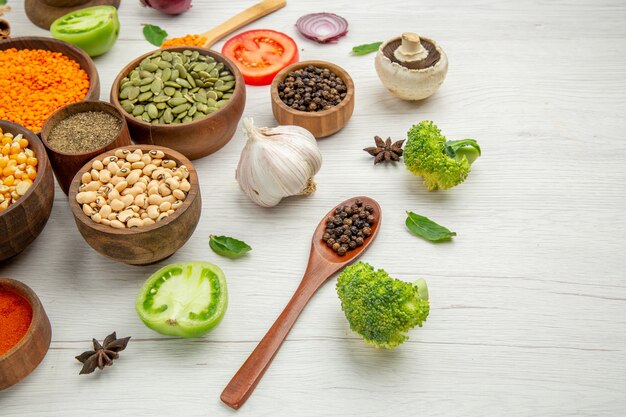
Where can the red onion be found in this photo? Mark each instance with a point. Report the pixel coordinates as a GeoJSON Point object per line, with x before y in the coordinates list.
{"type": "Point", "coordinates": [168, 6]}
{"type": "Point", "coordinates": [322, 27]}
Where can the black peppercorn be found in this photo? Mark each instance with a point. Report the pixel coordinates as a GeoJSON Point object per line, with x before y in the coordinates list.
{"type": "Point", "coordinates": [341, 251]}
{"type": "Point", "coordinates": [349, 226]}
{"type": "Point", "coordinates": [367, 231]}
{"type": "Point", "coordinates": [312, 89]}
{"type": "Point", "coordinates": [336, 246]}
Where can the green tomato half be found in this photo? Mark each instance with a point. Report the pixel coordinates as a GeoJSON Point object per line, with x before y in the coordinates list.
{"type": "Point", "coordinates": [93, 29]}
{"type": "Point", "coordinates": [185, 299]}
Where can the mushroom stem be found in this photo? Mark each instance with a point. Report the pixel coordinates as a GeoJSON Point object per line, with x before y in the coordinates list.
{"type": "Point", "coordinates": [411, 48]}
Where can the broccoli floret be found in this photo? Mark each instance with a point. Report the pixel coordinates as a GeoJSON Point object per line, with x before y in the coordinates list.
{"type": "Point", "coordinates": [443, 164]}
{"type": "Point", "coordinates": [379, 308]}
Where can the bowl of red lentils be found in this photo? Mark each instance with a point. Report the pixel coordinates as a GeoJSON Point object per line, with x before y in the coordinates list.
{"type": "Point", "coordinates": [26, 188]}
{"type": "Point", "coordinates": [136, 204]}
{"type": "Point", "coordinates": [40, 75]}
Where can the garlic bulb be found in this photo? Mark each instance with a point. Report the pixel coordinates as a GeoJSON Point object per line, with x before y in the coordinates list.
{"type": "Point", "coordinates": [277, 162]}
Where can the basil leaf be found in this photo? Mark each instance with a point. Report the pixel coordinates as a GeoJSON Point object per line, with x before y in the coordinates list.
{"type": "Point", "coordinates": [154, 34]}
{"type": "Point", "coordinates": [365, 49]}
{"type": "Point", "coordinates": [228, 246]}
{"type": "Point", "coordinates": [426, 228]}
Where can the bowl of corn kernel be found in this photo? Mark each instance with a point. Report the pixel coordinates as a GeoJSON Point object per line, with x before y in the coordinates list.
{"type": "Point", "coordinates": [26, 188]}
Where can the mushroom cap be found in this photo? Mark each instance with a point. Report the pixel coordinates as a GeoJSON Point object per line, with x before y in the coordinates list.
{"type": "Point", "coordinates": [411, 83]}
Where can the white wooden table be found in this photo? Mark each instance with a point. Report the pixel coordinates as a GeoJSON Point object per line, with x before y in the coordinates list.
{"type": "Point", "coordinates": [528, 301]}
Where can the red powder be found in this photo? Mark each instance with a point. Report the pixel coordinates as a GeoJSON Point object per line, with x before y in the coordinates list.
{"type": "Point", "coordinates": [15, 317]}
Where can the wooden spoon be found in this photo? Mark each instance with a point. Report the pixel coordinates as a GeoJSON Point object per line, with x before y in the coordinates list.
{"type": "Point", "coordinates": [323, 263]}
{"type": "Point", "coordinates": [249, 15]}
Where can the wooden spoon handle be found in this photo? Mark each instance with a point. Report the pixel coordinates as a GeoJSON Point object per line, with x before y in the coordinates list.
{"type": "Point", "coordinates": [249, 15]}
{"type": "Point", "coordinates": [245, 380]}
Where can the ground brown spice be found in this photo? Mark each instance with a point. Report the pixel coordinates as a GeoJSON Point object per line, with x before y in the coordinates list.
{"type": "Point", "coordinates": [84, 132]}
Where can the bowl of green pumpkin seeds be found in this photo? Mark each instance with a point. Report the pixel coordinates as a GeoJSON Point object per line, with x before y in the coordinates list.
{"type": "Point", "coordinates": [186, 98]}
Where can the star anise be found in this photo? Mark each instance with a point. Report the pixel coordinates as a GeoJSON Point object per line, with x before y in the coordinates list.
{"type": "Point", "coordinates": [385, 150]}
{"type": "Point", "coordinates": [103, 354]}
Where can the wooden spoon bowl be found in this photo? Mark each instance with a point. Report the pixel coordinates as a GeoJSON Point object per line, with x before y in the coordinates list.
{"type": "Point", "coordinates": [146, 244]}
{"type": "Point", "coordinates": [321, 123]}
{"type": "Point", "coordinates": [65, 165]}
{"type": "Point", "coordinates": [25, 356]}
{"type": "Point", "coordinates": [323, 263]}
{"type": "Point", "coordinates": [193, 139]}
{"type": "Point", "coordinates": [23, 221]}
{"type": "Point", "coordinates": [69, 50]}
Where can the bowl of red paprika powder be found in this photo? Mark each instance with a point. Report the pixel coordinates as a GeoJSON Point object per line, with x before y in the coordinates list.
{"type": "Point", "coordinates": [25, 331]}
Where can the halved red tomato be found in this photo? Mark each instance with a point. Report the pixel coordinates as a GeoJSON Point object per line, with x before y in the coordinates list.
{"type": "Point", "coordinates": [260, 54]}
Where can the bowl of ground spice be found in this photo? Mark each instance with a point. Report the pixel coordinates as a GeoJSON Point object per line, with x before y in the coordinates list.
{"type": "Point", "coordinates": [186, 98]}
{"type": "Point", "coordinates": [26, 188]}
{"type": "Point", "coordinates": [136, 204]}
{"type": "Point", "coordinates": [40, 75]}
{"type": "Point", "coordinates": [77, 132]}
{"type": "Point", "coordinates": [316, 95]}
{"type": "Point", "coordinates": [25, 331]}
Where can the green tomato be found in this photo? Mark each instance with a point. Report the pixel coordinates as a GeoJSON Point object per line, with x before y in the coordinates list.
{"type": "Point", "coordinates": [185, 299]}
{"type": "Point", "coordinates": [93, 29]}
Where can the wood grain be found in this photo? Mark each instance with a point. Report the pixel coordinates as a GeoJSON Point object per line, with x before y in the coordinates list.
{"type": "Point", "coordinates": [321, 123]}
{"type": "Point", "coordinates": [194, 139]}
{"type": "Point", "coordinates": [143, 245]}
{"type": "Point", "coordinates": [527, 301]}
{"type": "Point", "coordinates": [66, 165]}
{"type": "Point", "coordinates": [323, 264]}
{"type": "Point", "coordinates": [27, 354]}
{"type": "Point", "coordinates": [24, 220]}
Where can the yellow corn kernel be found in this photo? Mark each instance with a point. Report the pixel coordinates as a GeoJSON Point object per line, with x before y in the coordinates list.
{"type": "Point", "coordinates": [15, 148]}
{"type": "Point", "coordinates": [23, 143]}
{"type": "Point", "coordinates": [21, 158]}
{"type": "Point", "coordinates": [4, 204]}
{"type": "Point", "coordinates": [6, 139]}
{"type": "Point", "coordinates": [9, 170]}
{"type": "Point", "coordinates": [32, 161]}
{"type": "Point", "coordinates": [9, 180]}
{"type": "Point", "coordinates": [29, 152]}
{"type": "Point", "coordinates": [3, 161]}
{"type": "Point", "coordinates": [6, 149]}
{"type": "Point", "coordinates": [32, 172]}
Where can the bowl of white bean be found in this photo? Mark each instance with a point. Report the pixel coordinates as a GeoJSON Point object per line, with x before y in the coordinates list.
{"type": "Point", "coordinates": [136, 204]}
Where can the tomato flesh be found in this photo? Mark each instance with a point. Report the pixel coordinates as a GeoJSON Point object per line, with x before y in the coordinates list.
{"type": "Point", "coordinates": [184, 299]}
{"type": "Point", "coordinates": [261, 54]}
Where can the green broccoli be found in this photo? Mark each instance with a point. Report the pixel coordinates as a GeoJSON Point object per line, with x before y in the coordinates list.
{"type": "Point", "coordinates": [379, 308]}
{"type": "Point", "coordinates": [443, 164]}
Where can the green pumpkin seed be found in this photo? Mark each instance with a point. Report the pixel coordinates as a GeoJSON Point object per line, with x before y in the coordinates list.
{"type": "Point", "coordinates": [144, 88]}
{"type": "Point", "coordinates": [195, 55]}
{"type": "Point", "coordinates": [172, 84]}
{"type": "Point", "coordinates": [187, 119]}
{"type": "Point", "coordinates": [204, 75]}
{"type": "Point", "coordinates": [202, 107]}
{"type": "Point", "coordinates": [156, 86]}
{"type": "Point", "coordinates": [183, 83]}
{"type": "Point", "coordinates": [212, 95]}
{"type": "Point", "coordinates": [211, 110]}
{"type": "Point", "coordinates": [174, 74]}
{"type": "Point", "coordinates": [221, 103]}
{"type": "Point", "coordinates": [168, 116]}
{"type": "Point", "coordinates": [215, 73]}
{"type": "Point", "coordinates": [211, 66]}
{"type": "Point", "coordinates": [166, 75]}
{"type": "Point", "coordinates": [152, 111]}
{"type": "Point", "coordinates": [200, 66]}
{"type": "Point", "coordinates": [145, 117]}
{"type": "Point", "coordinates": [188, 98]}
{"type": "Point", "coordinates": [181, 108]}
{"type": "Point", "coordinates": [211, 102]}
{"type": "Point", "coordinates": [191, 81]}
{"type": "Point", "coordinates": [147, 80]}
{"type": "Point", "coordinates": [161, 98]}
{"type": "Point", "coordinates": [187, 52]}
{"type": "Point", "coordinates": [133, 93]}
{"type": "Point", "coordinates": [200, 96]}
{"type": "Point", "coordinates": [124, 92]}
{"type": "Point", "coordinates": [224, 73]}
{"type": "Point", "coordinates": [161, 106]}
{"type": "Point", "coordinates": [192, 110]}
{"type": "Point", "coordinates": [181, 70]}
{"type": "Point", "coordinates": [128, 107]}
{"type": "Point", "coordinates": [198, 116]}
{"type": "Point", "coordinates": [164, 64]}
{"type": "Point", "coordinates": [167, 56]}
{"type": "Point", "coordinates": [145, 96]}
{"type": "Point", "coordinates": [149, 67]}
{"type": "Point", "coordinates": [227, 96]}
{"type": "Point", "coordinates": [180, 115]}
{"type": "Point", "coordinates": [138, 110]}
{"type": "Point", "coordinates": [228, 78]}
{"type": "Point", "coordinates": [169, 91]}
{"type": "Point", "coordinates": [178, 94]}
{"type": "Point", "coordinates": [176, 101]}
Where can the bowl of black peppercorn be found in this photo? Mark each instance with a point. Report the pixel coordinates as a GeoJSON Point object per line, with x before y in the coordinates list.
{"type": "Point", "coordinates": [316, 95]}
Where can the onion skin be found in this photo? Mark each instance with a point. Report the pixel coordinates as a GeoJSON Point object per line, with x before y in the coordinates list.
{"type": "Point", "coordinates": [172, 7]}
{"type": "Point", "coordinates": [310, 26]}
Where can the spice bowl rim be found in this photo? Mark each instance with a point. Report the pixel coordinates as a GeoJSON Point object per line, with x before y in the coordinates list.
{"type": "Point", "coordinates": [42, 160]}
{"type": "Point", "coordinates": [339, 71]}
{"type": "Point", "coordinates": [31, 296]}
{"type": "Point", "coordinates": [239, 85]}
{"type": "Point", "coordinates": [193, 193]}
{"type": "Point", "coordinates": [46, 144]}
{"type": "Point", "coordinates": [90, 69]}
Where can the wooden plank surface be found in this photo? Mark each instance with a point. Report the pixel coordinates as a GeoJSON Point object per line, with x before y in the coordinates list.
{"type": "Point", "coordinates": [528, 302]}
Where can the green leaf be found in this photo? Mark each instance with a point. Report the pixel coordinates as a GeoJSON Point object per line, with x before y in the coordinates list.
{"type": "Point", "coordinates": [228, 246]}
{"type": "Point", "coordinates": [154, 34]}
{"type": "Point", "coordinates": [425, 228]}
{"type": "Point", "coordinates": [365, 49]}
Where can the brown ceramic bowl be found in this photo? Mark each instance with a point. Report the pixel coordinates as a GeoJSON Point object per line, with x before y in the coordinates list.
{"type": "Point", "coordinates": [193, 139]}
{"type": "Point", "coordinates": [27, 354]}
{"type": "Point", "coordinates": [22, 221]}
{"type": "Point", "coordinates": [44, 12]}
{"type": "Point", "coordinates": [71, 51]}
{"type": "Point", "coordinates": [66, 165]}
{"type": "Point", "coordinates": [147, 244]}
{"type": "Point", "coordinates": [322, 123]}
